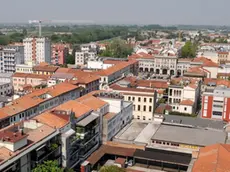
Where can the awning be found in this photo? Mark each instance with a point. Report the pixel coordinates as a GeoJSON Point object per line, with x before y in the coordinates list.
{"type": "Point", "coordinates": [87, 120]}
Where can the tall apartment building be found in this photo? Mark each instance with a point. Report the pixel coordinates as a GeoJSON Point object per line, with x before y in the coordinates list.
{"type": "Point", "coordinates": [59, 54]}
{"type": "Point", "coordinates": [9, 57]}
{"type": "Point", "coordinates": [37, 50]}
{"type": "Point", "coordinates": [81, 57]}
{"type": "Point", "coordinates": [216, 103]}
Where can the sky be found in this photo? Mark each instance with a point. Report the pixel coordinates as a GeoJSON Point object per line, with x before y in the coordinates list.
{"type": "Point", "coordinates": [164, 12]}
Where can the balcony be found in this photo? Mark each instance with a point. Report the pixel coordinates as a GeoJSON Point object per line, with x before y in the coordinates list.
{"type": "Point", "coordinates": [45, 153]}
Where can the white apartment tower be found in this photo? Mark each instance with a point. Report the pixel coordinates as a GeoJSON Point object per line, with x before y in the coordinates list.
{"type": "Point", "coordinates": [37, 50]}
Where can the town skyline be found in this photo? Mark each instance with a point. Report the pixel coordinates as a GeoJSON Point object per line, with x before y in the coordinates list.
{"type": "Point", "coordinates": [129, 12]}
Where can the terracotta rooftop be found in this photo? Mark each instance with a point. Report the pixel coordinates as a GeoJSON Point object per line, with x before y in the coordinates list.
{"type": "Point", "coordinates": [213, 158]}
{"type": "Point", "coordinates": [33, 135]}
{"type": "Point", "coordinates": [33, 99]}
{"type": "Point", "coordinates": [113, 69]}
{"type": "Point", "coordinates": [111, 61]}
{"type": "Point", "coordinates": [44, 67]}
{"type": "Point", "coordinates": [10, 136]}
{"type": "Point", "coordinates": [129, 89]}
{"type": "Point", "coordinates": [52, 119]}
{"type": "Point", "coordinates": [218, 82]}
{"type": "Point", "coordinates": [91, 101]}
{"type": "Point", "coordinates": [78, 108]}
{"type": "Point", "coordinates": [111, 150]}
{"type": "Point", "coordinates": [141, 56]}
{"type": "Point", "coordinates": [187, 102]}
{"type": "Point", "coordinates": [205, 62]}
{"type": "Point", "coordinates": [30, 75]}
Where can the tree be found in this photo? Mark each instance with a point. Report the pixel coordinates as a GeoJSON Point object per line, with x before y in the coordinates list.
{"type": "Point", "coordinates": [24, 32]}
{"type": "Point", "coordinates": [48, 166]}
{"type": "Point", "coordinates": [117, 48]}
{"type": "Point", "coordinates": [4, 40]}
{"type": "Point", "coordinates": [111, 168]}
{"type": "Point", "coordinates": [189, 50]}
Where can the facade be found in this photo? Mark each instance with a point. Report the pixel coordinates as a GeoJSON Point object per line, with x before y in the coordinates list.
{"type": "Point", "coordinates": [10, 56]}
{"type": "Point", "coordinates": [44, 69]}
{"type": "Point", "coordinates": [119, 114]}
{"type": "Point", "coordinates": [223, 57]}
{"type": "Point", "coordinates": [164, 64]}
{"type": "Point", "coordinates": [82, 57]}
{"type": "Point", "coordinates": [59, 54]}
{"type": "Point", "coordinates": [37, 50]}
{"type": "Point", "coordinates": [144, 100]}
{"type": "Point", "coordinates": [22, 79]}
{"type": "Point", "coordinates": [24, 68]}
{"type": "Point", "coordinates": [115, 73]}
{"type": "Point", "coordinates": [37, 102]}
{"type": "Point", "coordinates": [182, 66]}
{"type": "Point", "coordinates": [216, 103]}
{"type": "Point", "coordinates": [6, 77]}
{"type": "Point", "coordinates": [183, 95]}
{"type": "Point", "coordinates": [6, 89]}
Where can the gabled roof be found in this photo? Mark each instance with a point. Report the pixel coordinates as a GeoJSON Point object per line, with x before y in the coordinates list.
{"type": "Point", "coordinates": [187, 102]}
{"type": "Point", "coordinates": [213, 158]}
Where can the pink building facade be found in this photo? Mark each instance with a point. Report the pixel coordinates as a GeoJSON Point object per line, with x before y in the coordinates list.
{"type": "Point", "coordinates": [59, 54]}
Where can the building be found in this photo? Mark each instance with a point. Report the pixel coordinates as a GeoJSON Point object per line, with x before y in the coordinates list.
{"type": "Point", "coordinates": [186, 137]}
{"type": "Point", "coordinates": [115, 73]}
{"type": "Point", "coordinates": [24, 68]}
{"type": "Point", "coordinates": [216, 103]}
{"type": "Point", "coordinates": [163, 64]}
{"type": "Point", "coordinates": [144, 100]}
{"type": "Point", "coordinates": [223, 57]}
{"type": "Point", "coordinates": [37, 102]}
{"type": "Point", "coordinates": [37, 50]}
{"type": "Point", "coordinates": [183, 65]}
{"type": "Point", "coordinates": [6, 77]}
{"type": "Point", "coordinates": [82, 57]}
{"type": "Point", "coordinates": [87, 80]}
{"type": "Point", "coordinates": [9, 57]}
{"type": "Point", "coordinates": [115, 112]}
{"type": "Point", "coordinates": [212, 158]}
{"type": "Point", "coordinates": [28, 144]}
{"type": "Point", "coordinates": [59, 54]}
{"type": "Point", "coordinates": [6, 89]}
{"type": "Point", "coordinates": [44, 69]}
{"type": "Point", "coordinates": [22, 79]}
{"type": "Point", "coordinates": [183, 94]}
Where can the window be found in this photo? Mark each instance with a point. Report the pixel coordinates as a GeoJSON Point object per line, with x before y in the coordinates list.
{"type": "Point", "coordinates": [150, 108]}
{"type": "Point", "coordinates": [185, 109]}
{"type": "Point", "coordinates": [150, 100]}
{"type": "Point", "coordinates": [144, 118]}
{"type": "Point", "coordinates": [139, 99]}
{"type": "Point", "coordinates": [133, 98]}
{"type": "Point", "coordinates": [144, 108]}
{"type": "Point", "coordinates": [144, 99]}
{"type": "Point", "coordinates": [139, 108]}
{"type": "Point", "coordinates": [129, 98]}
{"type": "Point", "coordinates": [134, 107]}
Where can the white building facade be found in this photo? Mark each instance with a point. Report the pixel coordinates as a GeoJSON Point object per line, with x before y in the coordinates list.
{"type": "Point", "coordinates": [37, 50]}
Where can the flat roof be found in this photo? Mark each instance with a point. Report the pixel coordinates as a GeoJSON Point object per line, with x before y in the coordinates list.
{"type": "Point", "coordinates": [196, 122]}
{"type": "Point", "coordinates": [87, 120]}
{"type": "Point", "coordinates": [145, 136]}
{"type": "Point", "coordinates": [164, 156]}
{"type": "Point", "coordinates": [130, 132]}
{"type": "Point", "coordinates": [190, 136]}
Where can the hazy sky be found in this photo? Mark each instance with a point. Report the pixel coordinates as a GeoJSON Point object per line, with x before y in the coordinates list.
{"type": "Point", "coordinates": [119, 11]}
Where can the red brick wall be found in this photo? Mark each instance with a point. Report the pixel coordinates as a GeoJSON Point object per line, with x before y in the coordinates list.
{"type": "Point", "coordinates": [227, 110]}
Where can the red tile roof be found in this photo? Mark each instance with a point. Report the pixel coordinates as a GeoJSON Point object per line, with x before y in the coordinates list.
{"type": "Point", "coordinates": [213, 158]}
{"type": "Point", "coordinates": [187, 102]}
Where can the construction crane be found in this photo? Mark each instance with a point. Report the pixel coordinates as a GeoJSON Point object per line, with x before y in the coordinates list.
{"type": "Point", "coordinates": [39, 22]}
